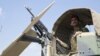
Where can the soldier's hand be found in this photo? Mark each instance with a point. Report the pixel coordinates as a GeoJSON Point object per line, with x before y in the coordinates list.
{"type": "Point", "coordinates": [77, 33]}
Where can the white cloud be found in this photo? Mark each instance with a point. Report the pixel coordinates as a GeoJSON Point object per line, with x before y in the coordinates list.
{"type": "Point", "coordinates": [0, 11]}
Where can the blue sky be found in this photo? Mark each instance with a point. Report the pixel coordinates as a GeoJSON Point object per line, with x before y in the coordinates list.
{"type": "Point", "coordinates": [14, 18]}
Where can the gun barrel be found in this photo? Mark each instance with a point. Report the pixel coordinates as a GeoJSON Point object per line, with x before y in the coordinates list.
{"type": "Point", "coordinates": [39, 26]}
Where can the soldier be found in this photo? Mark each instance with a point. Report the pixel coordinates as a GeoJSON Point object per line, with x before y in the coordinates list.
{"type": "Point", "coordinates": [77, 29]}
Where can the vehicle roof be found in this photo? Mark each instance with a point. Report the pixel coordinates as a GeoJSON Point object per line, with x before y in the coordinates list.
{"type": "Point", "coordinates": [62, 25]}
{"type": "Point", "coordinates": [84, 15]}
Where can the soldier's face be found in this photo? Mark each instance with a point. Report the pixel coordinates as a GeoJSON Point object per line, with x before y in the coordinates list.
{"type": "Point", "coordinates": [74, 22]}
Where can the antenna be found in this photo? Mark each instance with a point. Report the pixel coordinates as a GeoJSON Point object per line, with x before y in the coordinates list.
{"type": "Point", "coordinates": [29, 10]}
